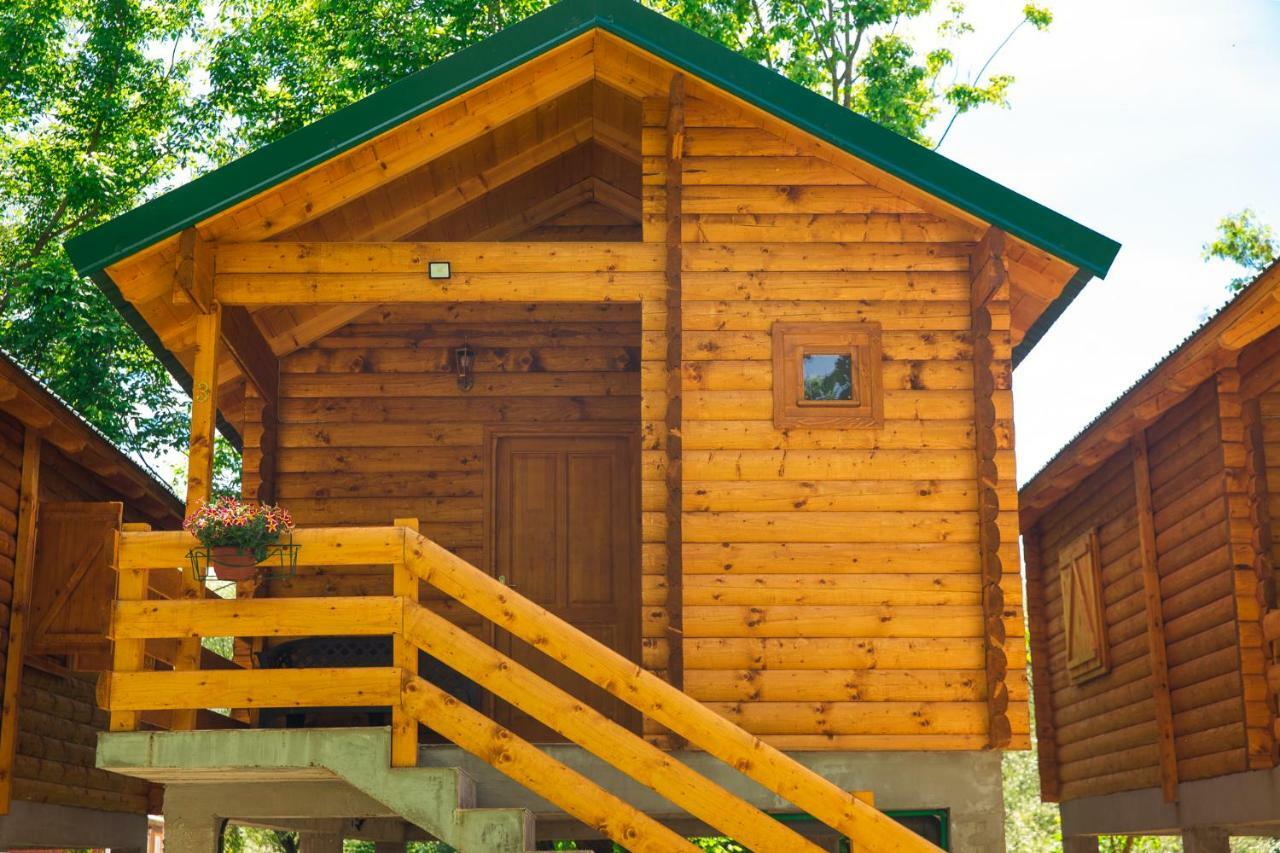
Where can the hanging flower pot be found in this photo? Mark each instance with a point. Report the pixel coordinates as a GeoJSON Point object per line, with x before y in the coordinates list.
{"type": "Point", "coordinates": [232, 564]}
{"type": "Point", "coordinates": [238, 536]}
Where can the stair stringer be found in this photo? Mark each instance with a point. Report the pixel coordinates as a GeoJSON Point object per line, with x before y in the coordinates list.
{"type": "Point", "coordinates": [417, 795]}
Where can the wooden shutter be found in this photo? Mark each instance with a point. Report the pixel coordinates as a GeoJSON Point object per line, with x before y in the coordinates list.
{"type": "Point", "coordinates": [74, 582]}
{"type": "Point", "coordinates": [1082, 612]}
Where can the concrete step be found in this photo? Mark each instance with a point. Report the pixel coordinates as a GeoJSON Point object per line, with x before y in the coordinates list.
{"type": "Point", "coordinates": [440, 800]}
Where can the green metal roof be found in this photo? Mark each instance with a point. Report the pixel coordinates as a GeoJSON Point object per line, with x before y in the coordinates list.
{"type": "Point", "coordinates": [309, 146]}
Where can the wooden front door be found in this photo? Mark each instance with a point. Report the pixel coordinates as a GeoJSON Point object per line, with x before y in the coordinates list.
{"type": "Point", "coordinates": [564, 532]}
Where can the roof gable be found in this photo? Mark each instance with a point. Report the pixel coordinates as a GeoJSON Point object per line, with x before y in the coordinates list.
{"type": "Point", "coordinates": [809, 112]}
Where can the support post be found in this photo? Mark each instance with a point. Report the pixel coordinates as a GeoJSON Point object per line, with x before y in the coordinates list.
{"type": "Point", "coordinates": [126, 655]}
{"type": "Point", "coordinates": [1206, 839]}
{"type": "Point", "coordinates": [24, 565]}
{"type": "Point", "coordinates": [1264, 591]}
{"type": "Point", "coordinates": [204, 417]}
{"type": "Point", "coordinates": [404, 727]}
{"type": "Point", "coordinates": [987, 279]}
{"type": "Point", "coordinates": [674, 380]}
{"type": "Point", "coordinates": [1156, 646]}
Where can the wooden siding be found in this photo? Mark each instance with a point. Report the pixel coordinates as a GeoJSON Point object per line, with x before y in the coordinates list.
{"type": "Point", "coordinates": [373, 426]}
{"type": "Point", "coordinates": [831, 587]}
{"type": "Point", "coordinates": [1105, 729]}
{"type": "Point", "coordinates": [59, 720]}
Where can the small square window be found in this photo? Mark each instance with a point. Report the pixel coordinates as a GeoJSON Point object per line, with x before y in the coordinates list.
{"type": "Point", "coordinates": [828, 378]}
{"type": "Point", "coordinates": [826, 375]}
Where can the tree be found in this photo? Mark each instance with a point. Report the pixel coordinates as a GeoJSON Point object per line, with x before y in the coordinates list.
{"type": "Point", "coordinates": [96, 113]}
{"type": "Point", "coordinates": [1245, 241]}
{"type": "Point", "coordinates": [277, 64]}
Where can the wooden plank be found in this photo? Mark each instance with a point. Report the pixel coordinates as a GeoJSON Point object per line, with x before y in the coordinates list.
{"type": "Point", "coordinates": [246, 344]}
{"type": "Point", "coordinates": [597, 734]}
{"type": "Point", "coordinates": [668, 706]}
{"type": "Point", "coordinates": [347, 546]}
{"type": "Point", "coordinates": [274, 617]}
{"type": "Point", "coordinates": [24, 565]}
{"type": "Point", "coordinates": [126, 655]}
{"type": "Point", "coordinates": [404, 655]}
{"type": "Point", "coordinates": [466, 257]}
{"type": "Point", "coordinates": [673, 363]}
{"type": "Point", "coordinates": [539, 772]}
{"type": "Point", "coordinates": [1156, 642]}
{"type": "Point", "coordinates": [253, 688]}
{"type": "Point", "coordinates": [373, 288]}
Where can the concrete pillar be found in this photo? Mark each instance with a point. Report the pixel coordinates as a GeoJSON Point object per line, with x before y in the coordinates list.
{"type": "Point", "coordinates": [1206, 839]}
{"type": "Point", "coordinates": [191, 833]}
{"type": "Point", "coordinates": [1080, 844]}
{"type": "Point", "coordinates": [319, 842]}
{"type": "Point", "coordinates": [389, 847]}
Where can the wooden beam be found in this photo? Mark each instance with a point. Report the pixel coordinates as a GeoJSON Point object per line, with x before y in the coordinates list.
{"type": "Point", "coordinates": [539, 771]}
{"type": "Point", "coordinates": [597, 734]}
{"type": "Point", "coordinates": [986, 445]}
{"type": "Point", "coordinates": [280, 258]}
{"type": "Point", "coordinates": [703, 727]}
{"type": "Point", "coordinates": [1156, 644]}
{"type": "Point", "coordinates": [193, 271]}
{"type": "Point", "coordinates": [252, 353]}
{"type": "Point", "coordinates": [467, 189]}
{"type": "Point", "coordinates": [251, 688]}
{"type": "Point", "coordinates": [204, 409]}
{"type": "Point", "coordinates": [406, 590]}
{"type": "Point", "coordinates": [988, 266]}
{"type": "Point", "coordinates": [369, 289]}
{"type": "Point", "coordinates": [263, 617]}
{"type": "Point", "coordinates": [1041, 674]}
{"type": "Point", "coordinates": [19, 608]}
{"type": "Point", "coordinates": [674, 366]}
{"type": "Point", "coordinates": [204, 420]}
{"type": "Point", "coordinates": [535, 215]}
{"type": "Point", "coordinates": [132, 584]}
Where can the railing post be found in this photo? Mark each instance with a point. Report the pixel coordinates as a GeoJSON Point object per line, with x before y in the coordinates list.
{"type": "Point", "coordinates": [127, 655]}
{"type": "Point", "coordinates": [404, 727]}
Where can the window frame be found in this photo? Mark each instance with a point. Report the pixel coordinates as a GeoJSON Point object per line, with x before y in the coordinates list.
{"type": "Point", "coordinates": [792, 341]}
{"type": "Point", "coordinates": [1080, 570]}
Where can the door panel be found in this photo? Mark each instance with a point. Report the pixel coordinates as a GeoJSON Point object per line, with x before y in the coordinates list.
{"type": "Point", "coordinates": [565, 534]}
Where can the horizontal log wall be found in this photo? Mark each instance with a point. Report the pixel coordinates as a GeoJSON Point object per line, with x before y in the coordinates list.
{"type": "Point", "coordinates": [373, 427]}
{"type": "Point", "coordinates": [59, 720]}
{"type": "Point", "coordinates": [831, 588]}
{"type": "Point", "coordinates": [1105, 728]}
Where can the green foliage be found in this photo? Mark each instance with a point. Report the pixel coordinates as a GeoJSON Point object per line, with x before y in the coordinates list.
{"type": "Point", "coordinates": [1245, 241]}
{"type": "Point", "coordinates": [95, 113]}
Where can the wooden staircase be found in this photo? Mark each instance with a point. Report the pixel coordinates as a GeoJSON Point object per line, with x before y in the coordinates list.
{"type": "Point", "coordinates": [127, 690]}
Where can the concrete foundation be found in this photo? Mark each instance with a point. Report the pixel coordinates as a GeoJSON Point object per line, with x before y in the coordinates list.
{"type": "Point", "coordinates": [968, 784]}
{"type": "Point", "coordinates": [337, 783]}
{"type": "Point", "coordinates": [1207, 810]}
{"type": "Point", "coordinates": [44, 825]}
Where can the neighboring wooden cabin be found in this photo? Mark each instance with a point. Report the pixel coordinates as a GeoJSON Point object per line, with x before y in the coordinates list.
{"type": "Point", "coordinates": [652, 244]}
{"type": "Point", "coordinates": [62, 488]}
{"type": "Point", "coordinates": [1149, 573]}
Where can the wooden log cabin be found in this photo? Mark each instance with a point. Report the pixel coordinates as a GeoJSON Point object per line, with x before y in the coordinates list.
{"type": "Point", "coordinates": [1150, 592]}
{"type": "Point", "coordinates": [662, 403]}
{"type": "Point", "coordinates": [62, 486]}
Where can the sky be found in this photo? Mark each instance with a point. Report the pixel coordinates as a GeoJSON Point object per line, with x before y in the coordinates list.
{"type": "Point", "coordinates": [1146, 120]}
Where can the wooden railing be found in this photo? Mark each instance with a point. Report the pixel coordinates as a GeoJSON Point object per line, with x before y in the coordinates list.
{"type": "Point", "coordinates": [128, 690]}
